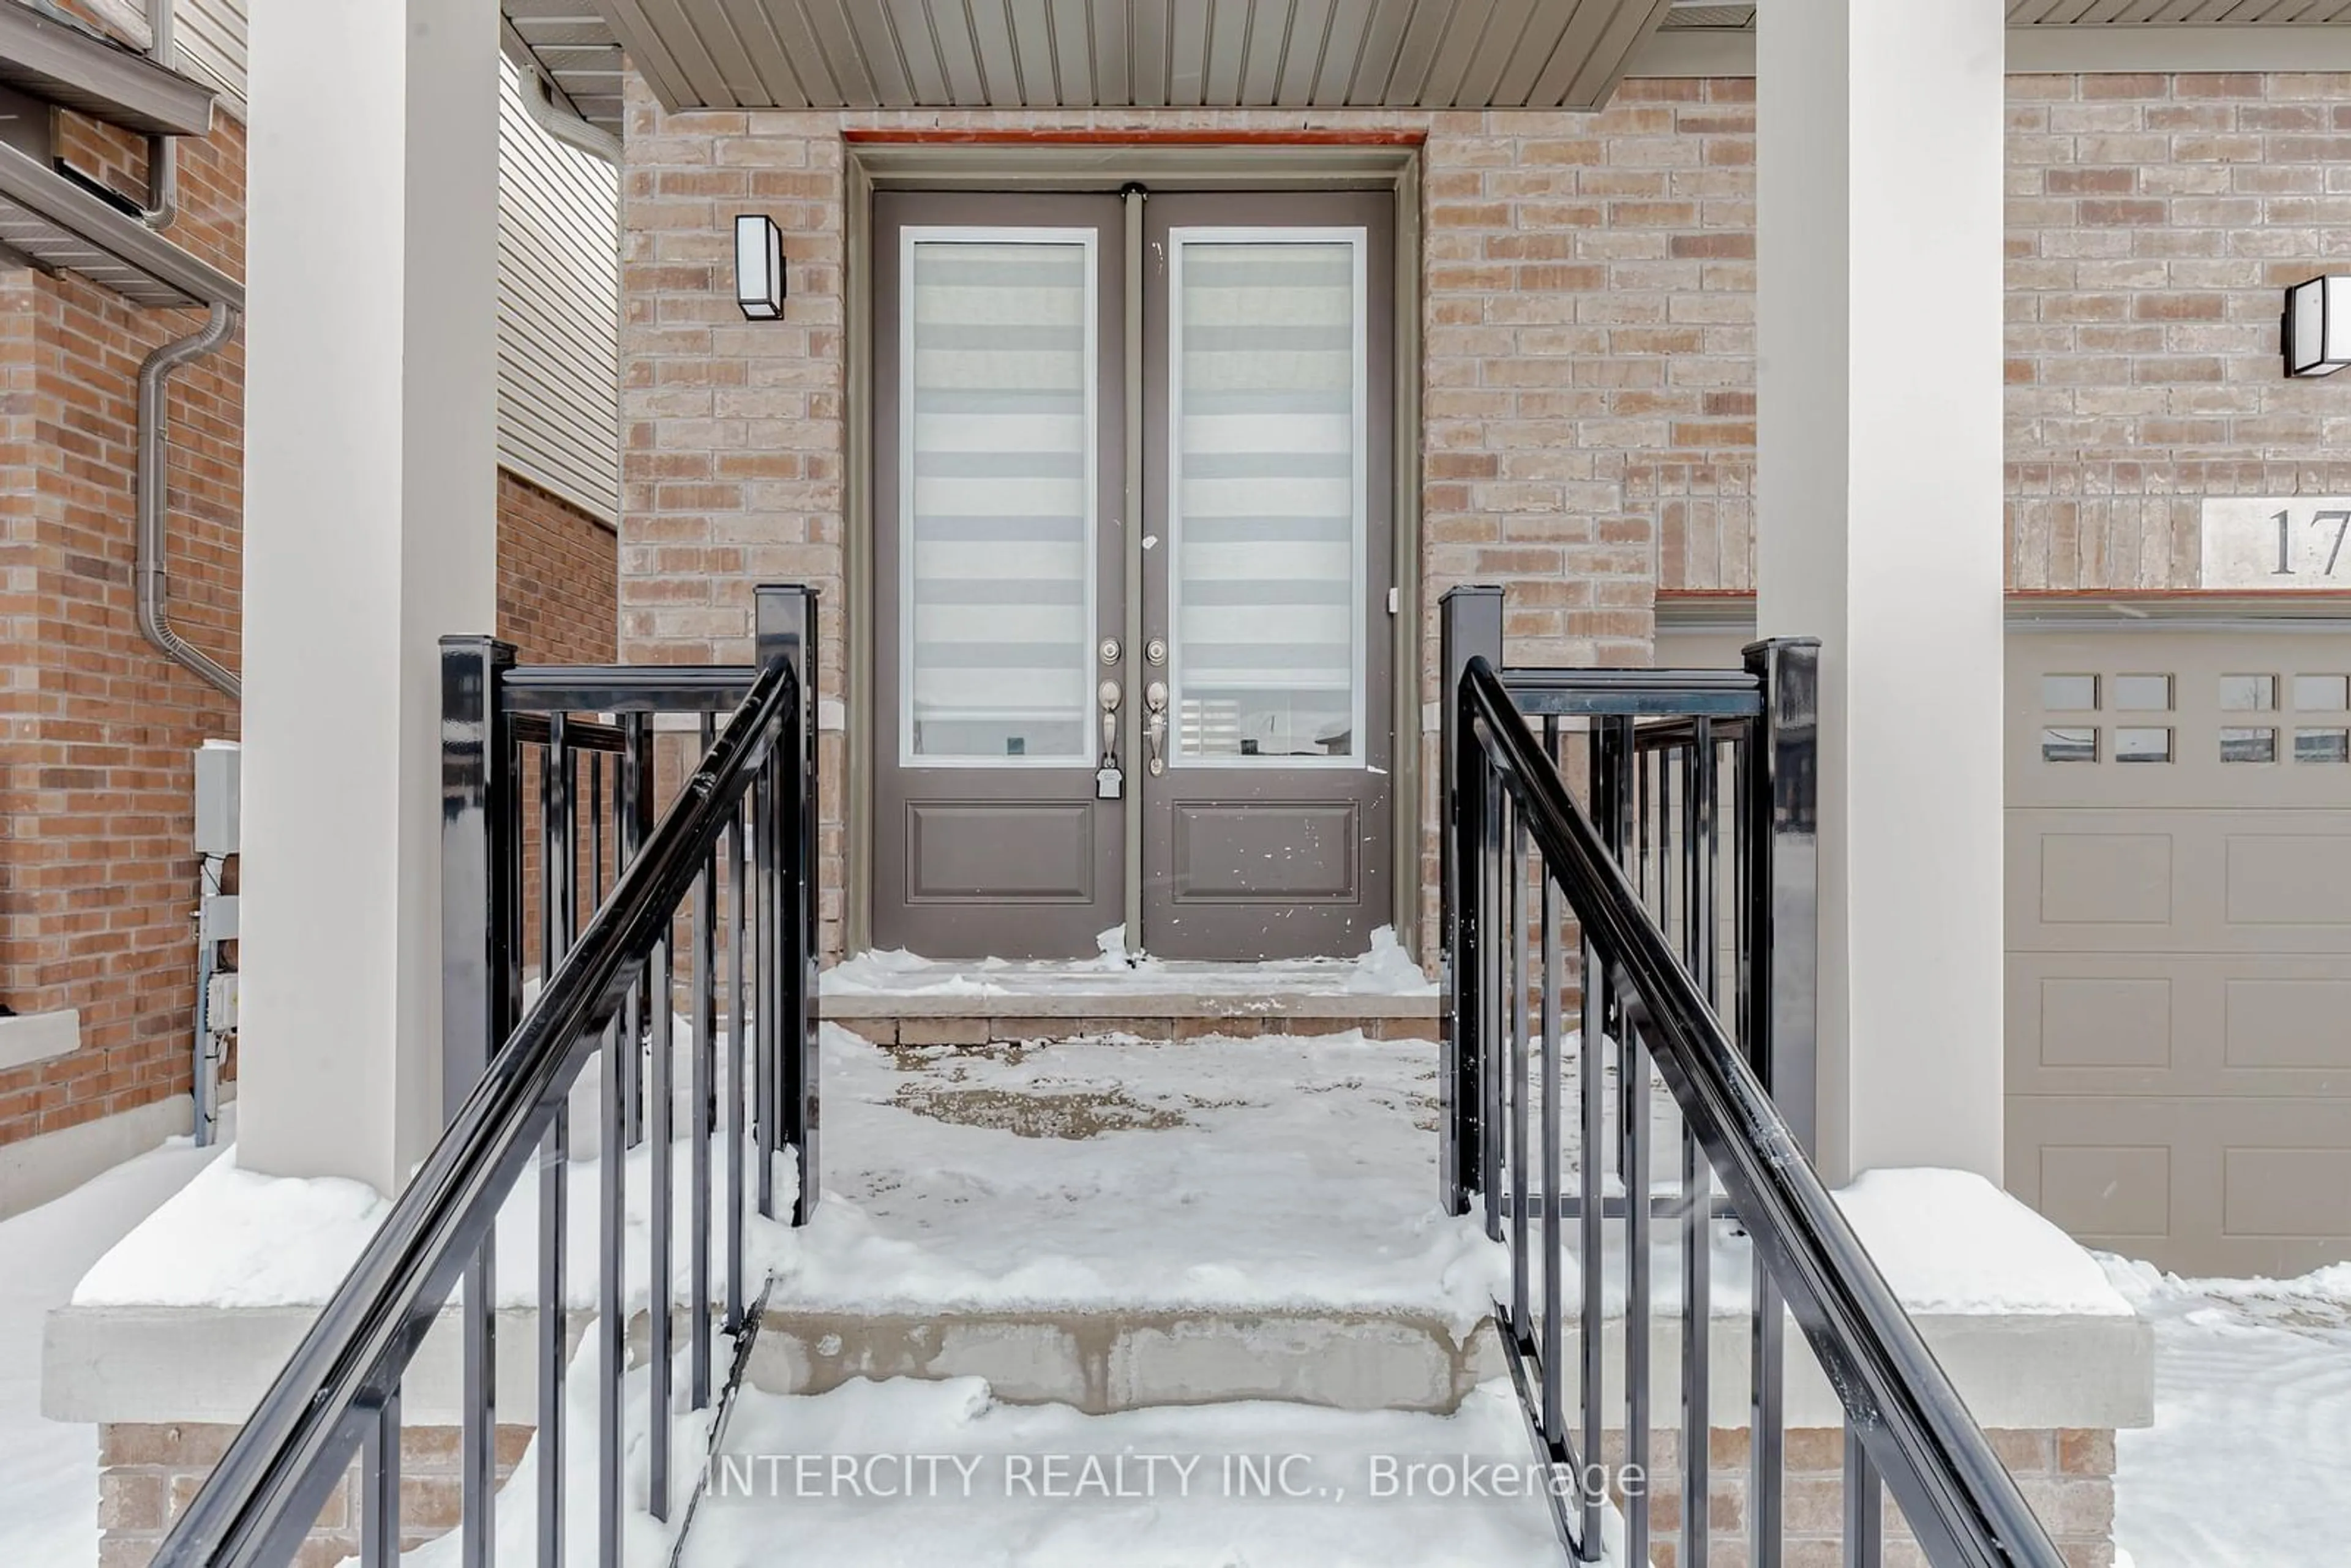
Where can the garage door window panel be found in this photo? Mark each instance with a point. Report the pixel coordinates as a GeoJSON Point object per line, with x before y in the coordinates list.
{"type": "Point", "coordinates": [2247, 694]}
{"type": "Point", "coordinates": [2322, 694]}
{"type": "Point", "coordinates": [2142, 693]}
{"type": "Point", "coordinates": [2138, 745]}
{"type": "Point", "coordinates": [2070, 694]}
{"type": "Point", "coordinates": [2322, 745]}
{"type": "Point", "coordinates": [2248, 745]}
{"type": "Point", "coordinates": [2069, 745]}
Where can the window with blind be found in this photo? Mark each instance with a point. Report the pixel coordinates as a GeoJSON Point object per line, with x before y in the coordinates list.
{"type": "Point", "coordinates": [998, 468]}
{"type": "Point", "coordinates": [1266, 393]}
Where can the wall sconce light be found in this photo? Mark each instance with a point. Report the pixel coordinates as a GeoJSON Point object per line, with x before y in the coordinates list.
{"type": "Point", "coordinates": [758, 267]}
{"type": "Point", "coordinates": [2318, 327]}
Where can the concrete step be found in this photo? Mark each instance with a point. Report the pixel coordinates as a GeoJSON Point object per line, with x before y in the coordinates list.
{"type": "Point", "coordinates": [1102, 1361]}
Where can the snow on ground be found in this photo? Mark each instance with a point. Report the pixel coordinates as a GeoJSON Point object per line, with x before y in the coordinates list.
{"type": "Point", "coordinates": [2249, 1461]}
{"type": "Point", "coordinates": [1950, 1241]}
{"type": "Point", "coordinates": [1050, 1488]}
{"type": "Point", "coordinates": [48, 1470]}
{"type": "Point", "coordinates": [235, 1237]}
{"type": "Point", "coordinates": [1227, 1173]}
{"type": "Point", "coordinates": [1092, 1173]}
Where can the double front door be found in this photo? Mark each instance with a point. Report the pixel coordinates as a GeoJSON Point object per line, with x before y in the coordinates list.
{"type": "Point", "coordinates": [1133, 563]}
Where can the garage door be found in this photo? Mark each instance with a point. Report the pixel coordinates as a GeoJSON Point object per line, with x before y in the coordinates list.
{"type": "Point", "coordinates": [2180, 943]}
{"type": "Point", "coordinates": [2179, 938]}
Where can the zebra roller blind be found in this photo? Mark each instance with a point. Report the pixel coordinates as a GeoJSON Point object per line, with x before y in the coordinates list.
{"type": "Point", "coordinates": [999, 375]}
{"type": "Point", "coordinates": [1268, 378]}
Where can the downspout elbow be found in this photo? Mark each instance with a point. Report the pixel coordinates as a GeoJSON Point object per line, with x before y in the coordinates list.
{"type": "Point", "coordinates": [163, 183]}
{"type": "Point", "coordinates": [163, 151]}
{"type": "Point", "coordinates": [154, 497]}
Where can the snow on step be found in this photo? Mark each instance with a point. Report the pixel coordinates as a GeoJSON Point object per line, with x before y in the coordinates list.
{"type": "Point", "coordinates": [1383, 970]}
{"type": "Point", "coordinates": [1266, 1174]}
{"type": "Point", "coordinates": [980, 1483]}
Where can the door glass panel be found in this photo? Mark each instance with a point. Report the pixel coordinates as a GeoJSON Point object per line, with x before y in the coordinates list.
{"type": "Point", "coordinates": [997, 470]}
{"type": "Point", "coordinates": [1266, 505]}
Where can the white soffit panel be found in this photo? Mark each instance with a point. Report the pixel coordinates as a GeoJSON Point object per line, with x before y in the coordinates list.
{"type": "Point", "coordinates": [1009, 54]}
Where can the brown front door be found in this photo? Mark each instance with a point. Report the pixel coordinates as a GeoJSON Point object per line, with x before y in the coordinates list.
{"type": "Point", "coordinates": [1266, 420]}
{"type": "Point", "coordinates": [1233, 722]}
{"type": "Point", "coordinates": [999, 564]}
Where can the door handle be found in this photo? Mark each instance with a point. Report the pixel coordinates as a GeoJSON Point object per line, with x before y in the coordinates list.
{"type": "Point", "coordinates": [1108, 693]}
{"type": "Point", "coordinates": [1154, 697]}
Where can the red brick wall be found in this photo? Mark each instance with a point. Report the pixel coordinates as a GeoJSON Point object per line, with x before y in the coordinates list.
{"type": "Point", "coordinates": [558, 583]}
{"type": "Point", "coordinates": [97, 881]}
{"type": "Point", "coordinates": [558, 577]}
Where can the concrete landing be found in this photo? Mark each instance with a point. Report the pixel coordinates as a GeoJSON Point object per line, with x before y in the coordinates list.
{"type": "Point", "coordinates": [895, 998]}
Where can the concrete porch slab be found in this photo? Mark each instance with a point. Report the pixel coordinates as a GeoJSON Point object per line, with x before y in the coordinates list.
{"type": "Point", "coordinates": [896, 998]}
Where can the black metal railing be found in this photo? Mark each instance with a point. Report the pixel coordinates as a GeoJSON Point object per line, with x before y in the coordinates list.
{"type": "Point", "coordinates": [1672, 908]}
{"type": "Point", "coordinates": [551, 777]}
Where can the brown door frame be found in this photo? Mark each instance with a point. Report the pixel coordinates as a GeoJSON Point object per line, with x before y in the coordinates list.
{"type": "Point", "coordinates": [1383, 160]}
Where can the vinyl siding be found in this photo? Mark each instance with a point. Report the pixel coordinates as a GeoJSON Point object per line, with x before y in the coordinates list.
{"type": "Point", "coordinates": [558, 279]}
{"type": "Point", "coordinates": [211, 38]}
{"type": "Point", "coordinates": [558, 311]}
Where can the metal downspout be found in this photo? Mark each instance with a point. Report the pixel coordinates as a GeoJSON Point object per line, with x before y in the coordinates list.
{"type": "Point", "coordinates": [163, 151]}
{"type": "Point", "coordinates": [155, 495]}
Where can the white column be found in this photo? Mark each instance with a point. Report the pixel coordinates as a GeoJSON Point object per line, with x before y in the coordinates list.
{"type": "Point", "coordinates": [369, 531]}
{"type": "Point", "coordinates": [1879, 299]}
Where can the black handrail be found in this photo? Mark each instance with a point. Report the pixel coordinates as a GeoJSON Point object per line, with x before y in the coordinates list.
{"type": "Point", "coordinates": [268, 1490]}
{"type": "Point", "coordinates": [1960, 1501]}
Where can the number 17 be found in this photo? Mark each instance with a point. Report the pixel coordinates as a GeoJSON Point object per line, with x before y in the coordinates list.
{"type": "Point", "coordinates": [2342, 521]}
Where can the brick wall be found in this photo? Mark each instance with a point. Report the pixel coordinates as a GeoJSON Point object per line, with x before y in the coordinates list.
{"type": "Point", "coordinates": [2154, 222]}
{"type": "Point", "coordinates": [98, 882]}
{"type": "Point", "coordinates": [2153, 225]}
{"type": "Point", "coordinates": [2066, 1475]}
{"type": "Point", "coordinates": [149, 1473]}
{"type": "Point", "coordinates": [1585, 310]}
{"type": "Point", "coordinates": [1589, 374]}
{"type": "Point", "coordinates": [555, 578]}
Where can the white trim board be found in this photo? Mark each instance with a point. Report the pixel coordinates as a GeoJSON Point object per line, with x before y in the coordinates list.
{"type": "Point", "coordinates": [27, 1037]}
{"type": "Point", "coordinates": [2046, 51]}
{"type": "Point", "coordinates": [1734, 614]}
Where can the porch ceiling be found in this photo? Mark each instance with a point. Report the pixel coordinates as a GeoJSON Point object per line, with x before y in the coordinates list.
{"type": "Point", "coordinates": [1713, 14]}
{"type": "Point", "coordinates": [943, 54]}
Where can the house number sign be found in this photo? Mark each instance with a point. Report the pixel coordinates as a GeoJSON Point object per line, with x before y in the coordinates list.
{"type": "Point", "coordinates": [2287, 543]}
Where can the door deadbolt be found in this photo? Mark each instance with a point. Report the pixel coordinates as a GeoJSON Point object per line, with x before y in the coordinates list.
{"type": "Point", "coordinates": [1110, 651]}
{"type": "Point", "coordinates": [1156, 651]}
